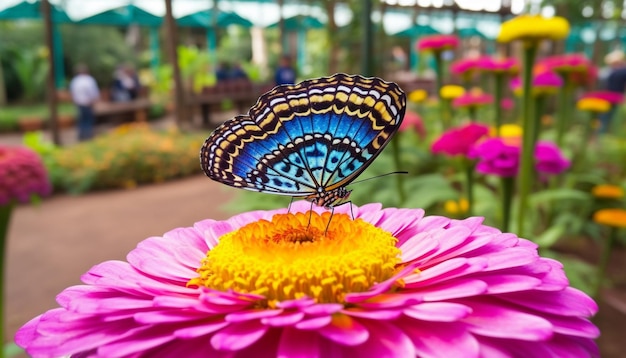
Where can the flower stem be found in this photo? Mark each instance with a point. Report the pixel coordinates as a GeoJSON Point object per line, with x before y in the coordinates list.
{"type": "Point", "coordinates": [472, 113]}
{"type": "Point", "coordinates": [5, 216]}
{"type": "Point", "coordinates": [395, 146]}
{"type": "Point", "coordinates": [563, 109]}
{"type": "Point", "coordinates": [508, 187]}
{"type": "Point", "coordinates": [439, 83]}
{"type": "Point", "coordinates": [604, 262]}
{"type": "Point", "coordinates": [469, 184]}
{"type": "Point", "coordinates": [540, 104]}
{"type": "Point", "coordinates": [498, 89]}
{"type": "Point", "coordinates": [525, 174]}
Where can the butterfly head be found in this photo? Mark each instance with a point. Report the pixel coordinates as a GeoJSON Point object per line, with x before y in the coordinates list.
{"type": "Point", "coordinates": [331, 198]}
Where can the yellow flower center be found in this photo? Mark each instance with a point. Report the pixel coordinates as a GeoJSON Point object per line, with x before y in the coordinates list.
{"type": "Point", "coordinates": [293, 256]}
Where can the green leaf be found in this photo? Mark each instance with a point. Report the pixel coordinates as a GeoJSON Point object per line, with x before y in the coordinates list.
{"type": "Point", "coordinates": [547, 196]}
{"type": "Point", "coordinates": [11, 350]}
{"type": "Point", "coordinates": [550, 236]}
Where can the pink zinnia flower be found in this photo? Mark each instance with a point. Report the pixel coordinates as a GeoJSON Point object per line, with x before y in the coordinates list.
{"type": "Point", "coordinates": [543, 83]}
{"type": "Point", "coordinates": [497, 157]}
{"type": "Point", "coordinates": [413, 121]}
{"type": "Point", "coordinates": [22, 174]}
{"type": "Point", "coordinates": [549, 159]}
{"type": "Point", "coordinates": [472, 99]}
{"type": "Point", "coordinates": [391, 283]}
{"type": "Point", "coordinates": [507, 104]}
{"type": "Point", "coordinates": [464, 66]}
{"type": "Point", "coordinates": [611, 97]}
{"type": "Point", "coordinates": [576, 67]}
{"type": "Point", "coordinates": [493, 64]}
{"type": "Point", "coordinates": [437, 43]}
{"type": "Point", "coordinates": [459, 140]}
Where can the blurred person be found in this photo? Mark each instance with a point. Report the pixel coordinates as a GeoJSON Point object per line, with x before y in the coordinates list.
{"type": "Point", "coordinates": [285, 73]}
{"type": "Point", "coordinates": [84, 92]}
{"type": "Point", "coordinates": [222, 72]}
{"type": "Point", "coordinates": [126, 84]}
{"type": "Point", "coordinates": [237, 72]}
{"type": "Point", "coordinates": [615, 82]}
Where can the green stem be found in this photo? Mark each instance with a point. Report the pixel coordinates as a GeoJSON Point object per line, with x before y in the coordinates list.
{"type": "Point", "coordinates": [469, 184]}
{"type": "Point", "coordinates": [526, 176]}
{"type": "Point", "coordinates": [581, 158]}
{"type": "Point", "coordinates": [604, 262]}
{"type": "Point", "coordinates": [439, 83]}
{"type": "Point", "coordinates": [395, 146]}
{"type": "Point", "coordinates": [498, 90]}
{"type": "Point", "coordinates": [563, 110]}
{"type": "Point", "coordinates": [472, 113]}
{"type": "Point", "coordinates": [5, 217]}
{"type": "Point", "coordinates": [508, 187]}
{"type": "Point", "coordinates": [540, 104]}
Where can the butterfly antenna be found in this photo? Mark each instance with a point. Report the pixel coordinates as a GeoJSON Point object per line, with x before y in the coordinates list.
{"type": "Point", "coordinates": [378, 176]}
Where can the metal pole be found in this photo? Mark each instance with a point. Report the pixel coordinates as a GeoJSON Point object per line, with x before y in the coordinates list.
{"type": "Point", "coordinates": [46, 14]}
{"type": "Point", "coordinates": [367, 55]}
{"type": "Point", "coordinates": [172, 53]}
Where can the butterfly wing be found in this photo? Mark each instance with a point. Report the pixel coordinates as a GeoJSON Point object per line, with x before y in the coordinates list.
{"type": "Point", "coordinates": [296, 139]}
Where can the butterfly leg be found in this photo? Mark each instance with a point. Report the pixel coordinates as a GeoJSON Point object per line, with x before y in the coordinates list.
{"type": "Point", "coordinates": [310, 215]}
{"type": "Point", "coordinates": [289, 206]}
{"type": "Point", "coordinates": [332, 211]}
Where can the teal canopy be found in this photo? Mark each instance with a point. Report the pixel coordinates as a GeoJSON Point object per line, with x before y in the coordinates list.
{"type": "Point", "coordinates": [32, 10]}
{"type": "Point", "coordinates": [470, 32]}
{"type": "Point", "coordinates": [205, 19]}
{"type": "Point", "coordinates": [417, 30]}
{"type": "Point", "coordinates": [124, 16]}
{"type": "Point", "coordinates": [300, 22]}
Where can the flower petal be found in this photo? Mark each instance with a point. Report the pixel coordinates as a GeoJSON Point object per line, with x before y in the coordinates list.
{"type": "Point", "coordinates": [295, 343]}
{"type": "Point", "coordinates": [345, 330]}
{"type": "Point", "coordinates": [238, 336]}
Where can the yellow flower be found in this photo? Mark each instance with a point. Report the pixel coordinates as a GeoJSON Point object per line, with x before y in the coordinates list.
{"type": "Point", "coordinates": [593, 105]}
{"type": "Point", "coordinates": [418, 96]}
{"type": "Point", "coordinates": [611, 217]}
{"type": "Point", "coordinates": [451, 91]}
{"type": "Point", "coordinates": [507, 131]}
{"type": "Point", "coordinates": [607, 191]}
{"type": "Point", "coordinates": [452, 207]}
{"type": "Point", "coordinates": [533, 27]}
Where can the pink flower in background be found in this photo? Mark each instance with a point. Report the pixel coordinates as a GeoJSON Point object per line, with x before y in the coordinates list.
{"type": "Point", "coordinates": [497, 157]}
{"type": "Point", "coordinates": [494, 64]}
{"type": "Point", "coordinates": [472, 99]}
{"type": "Point", "coordinates": [22, 174]}
{"type": "Point", "coordinates": [543, 83]}
{"type": "Point", "coordinates": [549, 159]}
{"type": "Point", "coordinates": [464, 66]}
{"type": "Point", "coordinates": [460, 140]}
{"type": "Point", "coordinates": [507, 104]}
{"type": "Point", "coordinates": [611, 97]}
{"type": "Point", "coordinates": [437, 43]}
{"type": "Point", "coordinates": [413, 121]}
{"type": "Point", "coordinates": [576, 67]}
{"type": "Point", "coordinates": [437, 286]}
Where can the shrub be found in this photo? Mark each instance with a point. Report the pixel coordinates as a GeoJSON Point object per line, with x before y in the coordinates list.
{"type": "Point", "coordinates": [131, 154]}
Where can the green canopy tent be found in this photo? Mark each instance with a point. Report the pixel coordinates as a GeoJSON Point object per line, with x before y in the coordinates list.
{"type": "Point", "coordinates": [32, 10]}
{"type": "Point", "coordinates": [204, 19]}
{"type": "Point", "coordinates": [300, 24]}
{"type": "Point", "coordinates": [130, 15]}
{"type": "Point", "coordinates": [415, 32]}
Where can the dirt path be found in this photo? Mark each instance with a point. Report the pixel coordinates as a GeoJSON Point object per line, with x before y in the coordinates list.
{"type": "Point", "coordinates": [50, 246]}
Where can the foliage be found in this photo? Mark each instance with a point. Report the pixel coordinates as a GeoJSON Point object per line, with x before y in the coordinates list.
{"type": "Point", "coordinates": [131, 154]}
{"type": "Point", "coordinates": [10, 115]}
{"type": "Point", "coordinates": [31, 68]}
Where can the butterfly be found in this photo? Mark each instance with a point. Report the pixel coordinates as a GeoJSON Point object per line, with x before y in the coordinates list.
{"type": "Point", "coordinates": [307, 140]}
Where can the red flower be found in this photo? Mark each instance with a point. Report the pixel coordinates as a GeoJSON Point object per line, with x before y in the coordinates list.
{"type": "Point", "coordinates": [437, 43]}
{"type": "Point", "coordinates": [413, 121]}
{"type": "Point", "coordinates": [460, 140]}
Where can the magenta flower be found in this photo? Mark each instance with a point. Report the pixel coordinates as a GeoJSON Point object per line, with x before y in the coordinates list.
{"type": "Point", "coordinates": [437, 43]}
{"type": "Point", "coordinates": [413, 121]}
{"type": "Point", "coordinates": [507, 104]}
{"type": "Point", "coordinates": [549, 159]}
{"type": "Point", "coordinates": [266, 284]}
{"type": "Point", "coordinates": [576, 67]}
{"type": "Point", "coordinates": [472, 99]}
{"type": "Point", "coordinates": [460, 140]}
{"type": "Point", "coordinates": [464, 66]}
{"type": "Point", "coordinates": [543, 83]}
{"type": "Point", "coordinates": [493, 64]}
{"type": "Point", "coordinates": [22, 174]}
{"type": "Point", "coordinates": [497, 157]}
{"type": "Point", "coordinates": [611, 97]}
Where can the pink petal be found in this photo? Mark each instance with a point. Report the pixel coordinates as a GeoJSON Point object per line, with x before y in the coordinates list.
{"type": "Point", "coordinates": [344, 330]}
{"type": "Point", "coordinates": [295, 343]}
{"type": "Point", "coordinates": [238, 336]}
{"type": "Point", "coordinates": [385, 340]}
{"type": "Point", "coordinates": [314, 323]}
{"type": "Point", "coordinates": [200, 329]}
{"type": "Point", "coordinates": [254, 314]}
{"type": "Point", "coordinates": [433, 339]}
{"type": "Point", "coordinates": [379, 314]}
{"type": "Point", "coordinates": [285, 319]}
{"type": "Point", "coordinates": [438, 311]}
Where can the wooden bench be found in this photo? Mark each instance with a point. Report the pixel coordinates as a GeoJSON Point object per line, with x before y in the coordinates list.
{"type": "Point", "coordinates": [242, 93]}
{"type": "Point", "coordinates": [137, 108]}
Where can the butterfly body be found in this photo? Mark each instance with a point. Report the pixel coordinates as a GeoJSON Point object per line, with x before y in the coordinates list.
{"type": "Point", "coordinates": [308, 140]}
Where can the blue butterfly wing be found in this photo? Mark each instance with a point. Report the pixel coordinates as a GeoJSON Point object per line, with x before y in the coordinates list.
{"type": "Point", "coordinates": [296, 139]}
